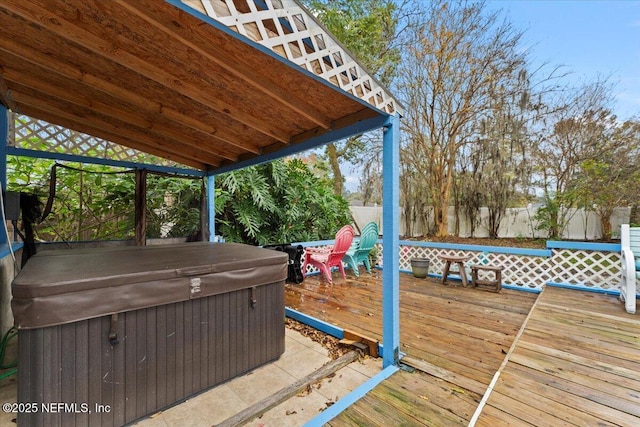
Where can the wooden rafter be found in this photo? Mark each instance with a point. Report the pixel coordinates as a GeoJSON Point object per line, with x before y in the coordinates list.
{"type": "Point", "coordinates": [68, 120]}
{"type": "Point", "coordinates": [31, 65]}
{"type": "Point", "coordinates": [120, 49]}
{"type": "Point", "coordinates": [157, 77]}
{"type": "Point", "coordinates": [112, 109]}
{"type": "Point", "coordinates": [170, 23]}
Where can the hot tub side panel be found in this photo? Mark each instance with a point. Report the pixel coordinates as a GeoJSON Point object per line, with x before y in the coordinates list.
{"type": "Point", "coordinates": [165, 354]}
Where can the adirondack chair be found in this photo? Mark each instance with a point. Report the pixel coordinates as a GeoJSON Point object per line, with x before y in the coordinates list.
{"type": "Point", "coordinates": [324, 259]}
{"type": "Point", "coordinates": [630, 255]}
{"type": "Point", "coordinates": [359, 251]}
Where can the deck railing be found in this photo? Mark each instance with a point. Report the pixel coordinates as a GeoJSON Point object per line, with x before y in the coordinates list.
{"type": "Point", "coordinates": [591, 266]}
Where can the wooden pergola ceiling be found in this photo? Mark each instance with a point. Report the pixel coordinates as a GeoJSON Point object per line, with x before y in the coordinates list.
{"type": "Point", "coordinates": [151, 76]}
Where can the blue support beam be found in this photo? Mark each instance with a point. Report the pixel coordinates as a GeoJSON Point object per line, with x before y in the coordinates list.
{"type": "Point", "coordinates": [211, 206]}
{"type": "Point", "coordinates": [100, 161]}
{"type": "Point", "coordinates": [391, 242]}
{"type": "Point", "coordinates": [315, 323]}
{"type": "Point", "coordinates": [313, 142]}
{"type": "Point", "coordinates": [4, 140]}
{"type": "Point", "coordinates": [334, 410]}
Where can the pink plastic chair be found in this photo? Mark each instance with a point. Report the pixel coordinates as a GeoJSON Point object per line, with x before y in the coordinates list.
{"type": "Point", "coordinates": [329, 257]}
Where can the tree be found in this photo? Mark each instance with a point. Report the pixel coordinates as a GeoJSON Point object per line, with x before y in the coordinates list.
{"type": "Point", "coordinates": [367, 28]}
{"type": "Point", "coordinates": [370, 181]}
{"type": "Point", "coordinates": [279, 202]}
{"type": "Point", "coordinates": [173, 206]}
{"type": "Point", "coordinates": [579, 129]}
{"type": "Point", "coordinates": [612, 179]}
{"type": "Point", "coordinates": [497, 169]}
{"type": "Point", "coordinates": [457, 61]}
{"type": "Point", "coordinates": [91, 203]}
{"type": "Point", "coordinates": [95, 202]}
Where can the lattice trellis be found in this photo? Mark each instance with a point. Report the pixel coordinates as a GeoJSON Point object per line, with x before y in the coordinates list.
{"type": "Point", "coordinates": [286, 28]}
{"type": "Point", "coordinates": [29, 133]}
{"type": "Point", "coordinates": [519, 270]}
{"type": "Point", "coordinates": [580, 268]}
{"type": "Point", "coordinates": [591, 269]}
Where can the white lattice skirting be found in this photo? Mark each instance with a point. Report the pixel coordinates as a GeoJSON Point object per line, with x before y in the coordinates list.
{"type": "Point", "coordinates": [524, 269]}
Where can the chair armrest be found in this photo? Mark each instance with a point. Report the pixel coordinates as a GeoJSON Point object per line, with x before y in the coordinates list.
{"type": "Point", "coordinates": [628, 285]}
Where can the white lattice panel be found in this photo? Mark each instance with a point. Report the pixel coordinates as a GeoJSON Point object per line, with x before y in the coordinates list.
{"type": "Point", "coordinates": [591, 269]}
{"type": "Point", "coordinates": [520, 270]}
{"type": "Point", "coordinates": [514, 266]}
{"type": "Point", "coordinates": [582, 268]}
{"type": "Point", "coordinates": [29, 133]}
{"type": "Point", "coordinates": [287, 29]}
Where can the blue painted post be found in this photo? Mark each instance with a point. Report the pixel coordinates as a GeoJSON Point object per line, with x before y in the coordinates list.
{"type": "Point", "coordinates": [390, 242]}
{"type": "Point", "coordinates": [4, 141]}
{"type": "Point", "coordinates": [211, 203]}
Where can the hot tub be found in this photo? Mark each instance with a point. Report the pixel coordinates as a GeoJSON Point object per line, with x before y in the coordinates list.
{"type": "Point", "coordinates": [106, 336]}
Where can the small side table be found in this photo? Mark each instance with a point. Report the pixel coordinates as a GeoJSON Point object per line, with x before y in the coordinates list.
{"type": "Point", "coordinates": [495, 284]}
{"type": "Point", "coordinates": [459, 261]}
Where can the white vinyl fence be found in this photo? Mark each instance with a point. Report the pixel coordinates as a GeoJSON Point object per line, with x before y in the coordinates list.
{"type": "Point", "coordinates": [517, 222]}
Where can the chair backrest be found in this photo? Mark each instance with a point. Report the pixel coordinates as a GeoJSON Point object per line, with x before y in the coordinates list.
{"type": "Point", "coordinates": [369, 226]}
{"type": "Point", "coordinates": [344, 237]}
{"type": "Point", "coordinates": [630, 238]}
{"type": "Point", "coordinates": [368, 237]}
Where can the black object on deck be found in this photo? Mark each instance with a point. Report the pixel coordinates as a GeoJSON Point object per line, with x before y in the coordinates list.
{"type": "Point", "coordinates": [294, 271]}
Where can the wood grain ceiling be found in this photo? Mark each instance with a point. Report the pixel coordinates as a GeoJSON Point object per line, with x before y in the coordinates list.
{"type": "Point", "coordinates": [150, 76]}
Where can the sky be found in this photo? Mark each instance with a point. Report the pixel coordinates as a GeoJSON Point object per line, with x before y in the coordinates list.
{"type": "Point", "coordinates": [590, 38]}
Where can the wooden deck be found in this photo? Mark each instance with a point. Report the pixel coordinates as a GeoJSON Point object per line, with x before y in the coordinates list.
{"type": "Point", "coordinates": [576, 362]}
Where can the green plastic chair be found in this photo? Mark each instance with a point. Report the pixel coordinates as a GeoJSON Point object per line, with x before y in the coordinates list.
{"type": "Point", "coordinates": [359, 251]}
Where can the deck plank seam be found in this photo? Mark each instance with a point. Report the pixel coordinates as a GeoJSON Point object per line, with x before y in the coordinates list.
{"type": "Point", "coordinates": [496, 376]}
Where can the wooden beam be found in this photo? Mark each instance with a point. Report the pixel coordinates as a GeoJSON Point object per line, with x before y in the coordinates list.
{"type": "Point", "coordinates": [117, 50]}
{"type": "Point", "coordinates": [172, 23]}
{"type": "Point", "coordinates": [317, 132]}
{"type": "Point", "coordinates": [63, 119]}
{"type": "Point", "coordinates": [204, 214]}
{"type": "Point", "coordinates": [360, 115]}
{"type": "Point", "coordinates": [92, 120]}
{"type": "Point", "coordinates": [118, 112]}
{"type": "Point", "coordinates": [32, 58]}
{"type": "Point", "coordinates": [371, 343]}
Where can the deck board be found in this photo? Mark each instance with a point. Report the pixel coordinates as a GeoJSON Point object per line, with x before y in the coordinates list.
{"type": "Point", "coordinates": [576, 362]}
{"type": "Point", "coordinates": [578, 359]}
{"type": "Point", "coordinates": [550, 401]}
{"type": "Point", "coordinates": [459, 335]}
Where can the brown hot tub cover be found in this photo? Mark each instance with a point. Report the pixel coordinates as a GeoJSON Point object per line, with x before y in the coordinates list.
{"type": "Point", "coordinates": [137, 329]}
{"type": "Point", "coordinates": [64, 286]}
